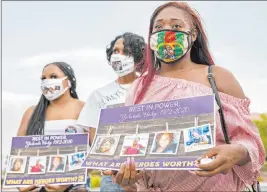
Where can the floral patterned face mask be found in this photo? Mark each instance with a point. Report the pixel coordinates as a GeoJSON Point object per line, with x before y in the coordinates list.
{"type": "Point", "coordinates": [169, 46]}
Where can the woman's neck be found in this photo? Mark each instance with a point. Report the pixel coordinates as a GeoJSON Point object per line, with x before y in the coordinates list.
{"type": "Point", "coordinates": [181, 65]}
{"type": "Point", "coordinates": [127, 79]}
{"type": "Point", "coordinates": [62, 100]}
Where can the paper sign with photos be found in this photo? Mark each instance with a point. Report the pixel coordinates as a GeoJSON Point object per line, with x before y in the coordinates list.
{"type": "Point", "coordinates": [47, 159]}
{"type": "Point", "coordinates": [162, 135]}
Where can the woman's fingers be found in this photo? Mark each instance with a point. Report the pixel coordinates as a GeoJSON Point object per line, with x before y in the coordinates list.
{"type": "Point", "coordinates": [127, 173]}
{"type": "Point", "coordinates": [218, 161]}
{"type": "Point", "coordinates": [139, 175]}
{"type": "Point", "coordinates": [133, 172]}
{"type": "Point", "coordinates": [120, 174]}
{"type": "Point", "coordinates": [30, 188]}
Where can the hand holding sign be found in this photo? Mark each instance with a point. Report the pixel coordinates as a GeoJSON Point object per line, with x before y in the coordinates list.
{"type": "Point", "coordinates": [227, 156]}
{"type": "Point", "coordinates": [127, 174]}
{"type": "Point", "coordinates": [56, 187]}
{"type": "Point", "coordinates": [31, 188]}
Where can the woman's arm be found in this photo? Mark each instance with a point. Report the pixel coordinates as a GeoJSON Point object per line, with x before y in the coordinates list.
{"type": "Point", "coordinates": [245, 154]}
{"type": "Point", "coordinates": [25, 121]}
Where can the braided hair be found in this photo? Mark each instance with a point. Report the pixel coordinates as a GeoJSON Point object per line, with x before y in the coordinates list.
{"type": "Point", "coordinates": [37, 120]}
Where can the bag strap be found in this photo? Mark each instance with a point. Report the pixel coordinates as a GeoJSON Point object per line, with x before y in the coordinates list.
{"type": "Point", "coordinates": [217, 98]}
{"type": "Point", "coordinates": [223, 123]}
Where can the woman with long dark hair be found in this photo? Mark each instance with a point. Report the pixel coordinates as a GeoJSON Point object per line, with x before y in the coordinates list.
{"type": "Point", "coordinates": [177, 66]}
{"type": "Point", "coordinates": [57, 110]}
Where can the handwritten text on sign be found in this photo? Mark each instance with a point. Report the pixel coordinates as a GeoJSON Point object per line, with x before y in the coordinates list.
{"type": "Point", "coordinates": [158, 110]}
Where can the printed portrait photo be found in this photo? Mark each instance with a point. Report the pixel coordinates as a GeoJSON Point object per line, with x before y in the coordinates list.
{"type": "Point", "coordinates": [17, 164]}
{"type": "Point", "coordinates": [37, 165]}
{"type": "Point", "coordinates": [71, 129]}
{"type": "Point", "coordinates": [135, 145]}
{"type": "Point", "coordinates": [117, 65]}
{"type": "Point", "coordinates": [166, 143]}
{"type": "Point", "coordinates": [198, 138]}
{"type": "Point", "coordinates": [105, 145]}
{"type": "Point", "coordinates": [76, 160]}
{"type": "Point", "coordinates": [57, 163]}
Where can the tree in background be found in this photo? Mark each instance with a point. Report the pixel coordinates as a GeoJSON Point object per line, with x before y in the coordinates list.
{"type": "Point", "coordinates": [262, 126]}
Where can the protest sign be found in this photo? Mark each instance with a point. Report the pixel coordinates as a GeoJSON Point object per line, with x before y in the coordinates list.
{"type": "Point", "coordinates": [161, 135]}
{"type": "Point", "coordinates": [47, 159]}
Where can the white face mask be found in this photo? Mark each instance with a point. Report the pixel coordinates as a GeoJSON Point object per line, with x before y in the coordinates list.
{"type": "Point", "coordinates": [122, 64]}
{"type": "Point", "coordinates": [53, 88]}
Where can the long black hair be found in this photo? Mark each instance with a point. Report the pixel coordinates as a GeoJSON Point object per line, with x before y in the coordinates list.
{"type": "Point", "coordinates": [134, 45]}
{"type": "Point", "coordinates": [37, 120]}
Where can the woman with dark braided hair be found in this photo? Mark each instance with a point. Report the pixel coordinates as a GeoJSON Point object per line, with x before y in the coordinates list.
{"type": "Point", "coordinates": [179, 65]}
{"type": "Point", "coordinates": [56, 112]}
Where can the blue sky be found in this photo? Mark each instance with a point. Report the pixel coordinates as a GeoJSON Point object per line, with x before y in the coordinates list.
{"type": "Point", "coordinates": [36, 33]}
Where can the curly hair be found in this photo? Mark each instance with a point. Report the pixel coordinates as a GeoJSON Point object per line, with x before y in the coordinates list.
{"type": "Point", "coordinates": [134, 45]}
{"type": "Point", "coordinates": [170, 135]}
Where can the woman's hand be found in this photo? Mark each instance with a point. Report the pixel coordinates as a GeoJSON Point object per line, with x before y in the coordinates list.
{"type": "Point", "coordinates": [127, 174]}
{"type": "Point", "coordinates": [226, 156]}
{"type": "Point", "coordinates": [32, 188]}
{"type": "Point", "coordinates": [59, 188]}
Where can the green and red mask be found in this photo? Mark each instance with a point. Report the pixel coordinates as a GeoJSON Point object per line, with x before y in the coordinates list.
{"type": "Point", "coordinates": [169, 46]}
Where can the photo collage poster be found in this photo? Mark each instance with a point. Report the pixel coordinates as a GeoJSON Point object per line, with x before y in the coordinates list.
{"type": "Point", "coordinates": [47, 159]}
{"type": "Point", "coordinates": [162, 135]}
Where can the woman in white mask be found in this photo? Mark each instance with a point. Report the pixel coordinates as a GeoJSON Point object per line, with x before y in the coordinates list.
{"type": "Point", "coordinates": [56, 112]}
{"type": "Point", "coordinates": [125, 56]}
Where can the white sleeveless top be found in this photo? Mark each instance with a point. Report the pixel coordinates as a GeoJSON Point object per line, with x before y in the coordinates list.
{"type": "Point", "coordinates": [61, 127]}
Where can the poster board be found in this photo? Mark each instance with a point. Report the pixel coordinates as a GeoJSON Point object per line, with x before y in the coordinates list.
{"type": "Point", "coordinates": [140, 130]}
{"type": "Point", "coordinates": [47, 159]}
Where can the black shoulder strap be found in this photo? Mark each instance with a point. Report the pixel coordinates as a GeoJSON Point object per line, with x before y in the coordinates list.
{"type": "Point", "coordinates": [217, 98]}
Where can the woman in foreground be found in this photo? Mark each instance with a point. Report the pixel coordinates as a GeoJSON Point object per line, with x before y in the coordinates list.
{"type": "Point", "coordinates": [57, 111]}
{"type": "Point", "coordinates": [177, 67]}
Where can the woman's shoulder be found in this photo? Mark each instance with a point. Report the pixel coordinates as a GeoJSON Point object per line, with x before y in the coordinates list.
{"type": "Point", "coordinates": [80, 103]}
{"type": "Point", "coordinates": [227, 83]}
{"type": "Point", "coordinates": [28, 113]}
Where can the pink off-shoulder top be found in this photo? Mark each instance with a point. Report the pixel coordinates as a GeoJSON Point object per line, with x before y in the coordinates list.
{"type": "Point", "coordinates": [240, 129]}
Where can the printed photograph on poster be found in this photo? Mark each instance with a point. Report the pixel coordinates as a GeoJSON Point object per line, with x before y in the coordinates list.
{"type": "Point", "coordinates": [197, 138]}
{"type": "Point", "coordinates": [135, 145]}
{"type": "Point", "coordinates": [117, 65]}
{"type": "Point", "coordinates": [57, 163]}
{"type": "Point", "coordinates": [75, 160]}
{"type": "Point", "coordinates": [166, 143]}
{"type": "Point", "coordinates": [105, 145]}
{"type": "Point", "coordinates": [17, 164]}
{"type": "Point", "coordinates": [37, 165]}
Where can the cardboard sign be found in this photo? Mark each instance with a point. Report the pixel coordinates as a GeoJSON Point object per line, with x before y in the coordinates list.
{"type": "Point", "coordinates": [47, 159]}
{"type": "Point", "coordinates": [161, 135]}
